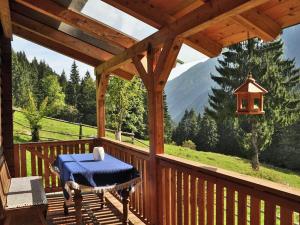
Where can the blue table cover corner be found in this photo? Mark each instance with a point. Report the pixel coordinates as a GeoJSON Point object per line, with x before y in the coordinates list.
{"type": "Point", "coordinates": [84, 170]}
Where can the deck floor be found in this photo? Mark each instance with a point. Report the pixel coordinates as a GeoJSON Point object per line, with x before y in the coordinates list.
{"type": "Point", "coordinates": [111, 214]}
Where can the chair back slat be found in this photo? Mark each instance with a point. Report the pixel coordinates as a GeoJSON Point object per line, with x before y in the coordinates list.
{"type": "Point", "coordinates": [4, 183]}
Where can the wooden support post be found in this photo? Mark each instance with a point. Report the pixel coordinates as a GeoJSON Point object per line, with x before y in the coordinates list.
{"type": "Point", "coordinates": [102, 83]}
{"type": "Point", "coordinates": [6, 101]}
{"type": "Point", "coordinates": [159, 65]}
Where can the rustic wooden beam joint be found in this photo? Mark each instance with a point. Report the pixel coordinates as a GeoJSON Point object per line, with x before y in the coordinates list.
{"type": "Point", "coordinates": [190, 24]}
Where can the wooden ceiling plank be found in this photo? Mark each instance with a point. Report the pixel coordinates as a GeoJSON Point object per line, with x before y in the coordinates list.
{"type": "Point", "coordinates": [194, 22]}
{"type": "Point", "coordinates": [204, 44]}
{"type": "Point", "coordinates": [80, 21]}
{"type": "Point", "coordinates": [260, 24]}
{"type": "Point", "coordinates": [5, 18]}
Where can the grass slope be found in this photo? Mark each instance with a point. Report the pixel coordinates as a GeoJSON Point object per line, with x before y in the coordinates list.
{"type": "Point", "coordinates": [213, 159]}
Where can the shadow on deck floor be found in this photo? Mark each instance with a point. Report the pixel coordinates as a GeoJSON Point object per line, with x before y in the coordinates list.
{"type": "Point", "coordinates": [111, 214]}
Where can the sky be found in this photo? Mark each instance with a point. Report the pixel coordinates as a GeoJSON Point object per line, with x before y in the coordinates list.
{"type": "Point", "coordinates": [114, 18]}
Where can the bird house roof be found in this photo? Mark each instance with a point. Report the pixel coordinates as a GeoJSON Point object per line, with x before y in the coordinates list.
{"type": "Point", "coordinates": [250, 86]}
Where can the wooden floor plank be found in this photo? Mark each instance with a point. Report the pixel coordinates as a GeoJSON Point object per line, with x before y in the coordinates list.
{"type": "Point", "coordinates": [111, 214]}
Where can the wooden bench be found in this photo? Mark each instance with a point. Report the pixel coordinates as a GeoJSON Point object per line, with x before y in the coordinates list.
{"type": "Point", "coordinates": [23, 198]}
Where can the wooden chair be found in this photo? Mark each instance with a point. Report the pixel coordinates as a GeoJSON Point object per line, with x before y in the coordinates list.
{"type": "Point", "coordinates": [23, 198]}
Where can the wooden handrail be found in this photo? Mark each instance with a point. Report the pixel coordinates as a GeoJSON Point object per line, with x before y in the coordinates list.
{"type": "Point", "coordinates": [212, 172]}
{"type": "Point", "coordinates": [142, 152]}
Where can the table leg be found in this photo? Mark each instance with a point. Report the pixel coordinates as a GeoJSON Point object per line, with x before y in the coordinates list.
{"type": "Point", "coordinates": [125, 201]}
{"type": "Point", "coordinates": [78, 206]}
{"type": "Point", "coordinates": [101, 197]}
{"type": "Point", "coordinates": [66, 210]}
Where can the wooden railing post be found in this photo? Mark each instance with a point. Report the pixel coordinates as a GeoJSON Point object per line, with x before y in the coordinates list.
{"type": "Point", "coordinates": [101, 86]}
{"type": "Point", "coordinates": [6, 101]}
{"type": "Point", "coordinates": [159, 65]}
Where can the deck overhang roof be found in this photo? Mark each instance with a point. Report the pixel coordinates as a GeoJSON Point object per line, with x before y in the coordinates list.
{"type": "Point", "coordinates": [207, 26]}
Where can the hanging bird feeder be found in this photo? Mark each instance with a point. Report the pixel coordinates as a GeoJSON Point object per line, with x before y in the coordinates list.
{"type": "Point", "coordinates": [250, 97]}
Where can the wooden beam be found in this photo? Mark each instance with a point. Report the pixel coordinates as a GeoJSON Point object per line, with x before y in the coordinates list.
{"type": "Point", "coordinates": [158, 18]}
{"type": "Point", "coordinates": [194, 22]}
{"type": "Point", "coordinates": [204, 44]}
{"type": "Point", "coordinates": [166, 62]}
{"type": "Point", "coordinates": [5, 18]}
{"type": "Point", "coordinates": [62, 49]}
{"type": "Point", "coordinates": [141, 71]}
{"type": "Point", "coordinates": [6, 101]}
{"type": "Point", "coordinates": [102, 81]}
{"type": "Point", "coordinates": [80, 21]}
{"type": "Point", "coordinates": [260, 24]}
{"type": "Point", "coordinates": [52, 45]}
{"type": "Point", "coordinates": [58, 36]}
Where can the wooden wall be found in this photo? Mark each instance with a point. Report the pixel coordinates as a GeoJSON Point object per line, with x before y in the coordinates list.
{"type": "Point", "coordinates": [6, 127]}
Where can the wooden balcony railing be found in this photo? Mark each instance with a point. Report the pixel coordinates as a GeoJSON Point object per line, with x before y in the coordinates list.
{"type": "Point", "coordinates": [194, 193]}
{"type": "Point", "coordinates": [33, 159]}
{"type": "Point", "coordinates": [137, 157]}
{"type": "Point", "coordinates": [190, 193]}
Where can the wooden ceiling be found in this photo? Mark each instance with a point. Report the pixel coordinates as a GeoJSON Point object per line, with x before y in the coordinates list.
{"type": "Point", "coordinates": [206, 25]}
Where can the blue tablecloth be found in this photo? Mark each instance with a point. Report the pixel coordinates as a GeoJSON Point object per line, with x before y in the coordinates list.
{"type": "Point", "coordinates": [84, 170]}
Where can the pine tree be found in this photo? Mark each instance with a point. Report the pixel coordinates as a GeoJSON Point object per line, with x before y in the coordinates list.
{"type": "Point", "coordinates": [207, 135]}
{"type": "Point", "coordinates": [272, 71]}
{"type": "Point", "coordinates": [63, 81]}
{"type": "Point", "coordinates": [73, 86]}
{"type": "Point", "coordinates": [187, 127]}
{"type": "Point", "coordinates": [168, 127]}
{"type": "Point", "coordinates": [87, 100]}
{"type": "Point", "coordinates": [21, 81]}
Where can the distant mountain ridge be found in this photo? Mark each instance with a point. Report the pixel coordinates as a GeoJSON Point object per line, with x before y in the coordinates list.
{"type": "Point", "coordinates": [191, 88]}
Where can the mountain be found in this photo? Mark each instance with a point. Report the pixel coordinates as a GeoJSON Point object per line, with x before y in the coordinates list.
{"type": "Point", "coordinates": [191, 88]}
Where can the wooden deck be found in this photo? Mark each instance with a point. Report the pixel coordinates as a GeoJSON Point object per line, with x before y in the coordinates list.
{"type": "Point", "coordinates": [111, 214]}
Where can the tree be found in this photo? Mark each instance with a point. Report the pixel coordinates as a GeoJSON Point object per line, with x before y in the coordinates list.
{"type": "Point", "coordinates": [168, 125]}
{"type": "Point", "coordinates": [125, 105]}
{"type": "Point", "coordinates": [63, 81]}
{"type": "Point", "coordinates": [207, 136]}
{"type": "Point", "coordinates": [34, 115]}
{"type": "Point", "coordinates": [87, 100]}
{"type": "Point", "coordinates": [53, 91]}
{"type": "Point", "coordinates": [187, 127]}
{"type": "Point", "coordinates": [21, 81]}
{"type": "Point", "coordinates": [272, 71]}
{"type": "Point", "coordinates": [73, 86]}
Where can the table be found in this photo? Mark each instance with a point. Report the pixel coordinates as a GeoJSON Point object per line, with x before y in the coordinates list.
{"type": "Point", "coordinates": [79, 172]}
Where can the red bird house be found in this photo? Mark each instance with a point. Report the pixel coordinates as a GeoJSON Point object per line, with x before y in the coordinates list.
{"type": "Point", "coordinates": [250, 97]}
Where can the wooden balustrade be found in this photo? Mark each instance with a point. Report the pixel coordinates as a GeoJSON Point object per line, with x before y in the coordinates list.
{"type": "Point", "coordinates": [138, 157]}
{"type": "Point", "coordinates": [190, 193]}
{"type": "Point", "coordinates": [194, 193]}
{"type": "Point", "coordinates": [33, 159]}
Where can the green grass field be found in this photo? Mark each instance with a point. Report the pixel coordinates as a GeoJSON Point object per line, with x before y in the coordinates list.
{"type": "Point", "coordinates": [231, 163]}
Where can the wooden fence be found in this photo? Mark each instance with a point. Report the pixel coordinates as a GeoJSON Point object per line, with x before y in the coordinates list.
{"type": "Point", "coordinates": [190, 193]}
